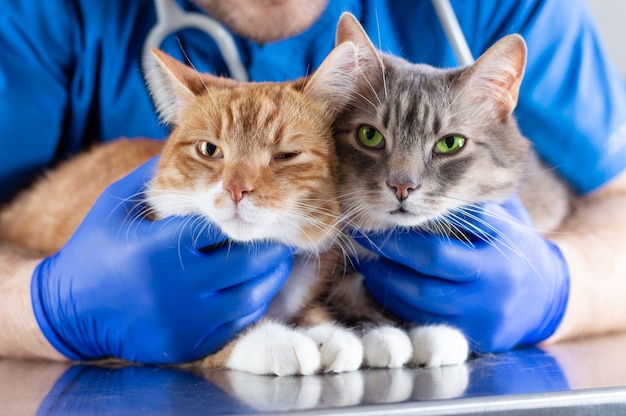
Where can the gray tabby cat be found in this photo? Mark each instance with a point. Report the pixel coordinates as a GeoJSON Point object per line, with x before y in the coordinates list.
{"type": "Point", "coordinates": [418, 144]}
{"type": "Point", "coordinates": [435, 140]}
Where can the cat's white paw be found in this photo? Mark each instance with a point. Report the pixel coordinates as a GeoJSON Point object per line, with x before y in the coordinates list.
{"type": "Point", "coordinates": [340, 349]}
{"type": "Point", "coordinates": [386, 347]}
{"type": "Point", "coordinates": [437, 345]}
{"type": "Point", "coordinates": [271, 348]}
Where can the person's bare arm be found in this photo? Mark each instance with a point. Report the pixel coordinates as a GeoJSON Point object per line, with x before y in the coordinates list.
{"type": "Point", "coordinates": [20, 336]}
{"type": "Point", "coordinates": [593, 240]}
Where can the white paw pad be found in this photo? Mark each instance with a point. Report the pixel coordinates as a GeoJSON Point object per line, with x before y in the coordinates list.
{"type": "Point", "coordinates": [386, 347]}
{"type": "Point", "coordinates": [340, 350]}
{"type": "Point", "coordinates": [271, 348]}
{"type": "Point", "coordinates": [438, 345]}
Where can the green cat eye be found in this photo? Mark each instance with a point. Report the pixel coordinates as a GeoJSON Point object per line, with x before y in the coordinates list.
{"type": "Point", "coordinates": [450, 144]}
{"type": "Point", "coordinates": [370, 137]}
{"type": "Point", "coordinates": [209, 150]}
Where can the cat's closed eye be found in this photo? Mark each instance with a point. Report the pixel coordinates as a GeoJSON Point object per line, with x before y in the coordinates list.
{"type": "Point", "coordinates": [284, 156]}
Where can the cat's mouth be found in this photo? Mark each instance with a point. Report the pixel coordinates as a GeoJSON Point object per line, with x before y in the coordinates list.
{"type": "Point", "coordinates": [401, 211]}
{"type": "Point", "coordinates": [403, 217]}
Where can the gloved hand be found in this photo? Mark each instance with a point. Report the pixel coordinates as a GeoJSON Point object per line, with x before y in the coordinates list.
{"type": "Point", "coordinates": [143, 291]}
{"type": "Point", "coordinates": [509, 286]}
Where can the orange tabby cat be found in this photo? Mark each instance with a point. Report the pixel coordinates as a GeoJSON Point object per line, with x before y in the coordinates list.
{"type": "Point", "coordinates": [244, 126]}
{"type": "Point", "coordinates": [255, 159]}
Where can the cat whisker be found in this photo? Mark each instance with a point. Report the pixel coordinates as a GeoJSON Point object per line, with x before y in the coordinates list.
{"type": "Point", "coordinates": [499, 241]}
{"type": "Point", "coordinates": [337, 238]}
{"type": "Point", "coordinates": [137, 212]}
{"type": "Point", "coordinates": [194, 97]}
{"type": "Point", "coordinates": [202, 226]}
{"type": "Point", "coordinates": [371, 87]}
{"type": "Point", "coordinates": [356, 214]}
{"type": "Point", "coordinates": [380, 56]}
{"type": "Point", "coordinates": [186, 220]}
{"type": "Point", "coordinates": [367, 106]}
{"type": "Point", "coordinates": [141, 210]}
{"type": "Point", "coordinates": [295, 219]}
{"type": "Point", "coordinates": [384, 77]}
{"type": "Point", "coordinates": [477, 209]}
{"type": "Point", "coordinates": [364, 98]}
{"type": "Point", "coordinates": [471, 109]}
{"type": "Point", "coordinates": [446, 229]}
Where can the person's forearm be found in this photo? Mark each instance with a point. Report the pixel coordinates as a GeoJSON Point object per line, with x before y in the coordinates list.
{"type": "Point", "coordinates": [20, 336]}
{"type": "Point", "coordinates": [593, 240]}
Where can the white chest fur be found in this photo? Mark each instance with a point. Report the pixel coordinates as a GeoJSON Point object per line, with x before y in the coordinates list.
{"type": "Point", "coordinates": [291, 297]}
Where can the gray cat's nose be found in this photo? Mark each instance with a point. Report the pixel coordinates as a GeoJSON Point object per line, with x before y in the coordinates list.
{"type": "Point", "coordinates": [402, 188]}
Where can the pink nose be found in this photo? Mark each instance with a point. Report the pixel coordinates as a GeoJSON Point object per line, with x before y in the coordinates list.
{"type": "Point", "coordinates": [402, 189]}
{"type": "Point", "coordinates": [238, 190]}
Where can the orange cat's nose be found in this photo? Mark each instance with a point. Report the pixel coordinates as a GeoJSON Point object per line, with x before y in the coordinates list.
{"type": "Point", "coordinates": [237, 190]}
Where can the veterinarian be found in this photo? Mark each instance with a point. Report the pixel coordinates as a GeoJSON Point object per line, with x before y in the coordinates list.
{"type": "Point", "coordinates": [70, 76]}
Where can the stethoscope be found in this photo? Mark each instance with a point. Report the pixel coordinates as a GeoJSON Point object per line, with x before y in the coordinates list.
{"type": "Point", "coordinates": [171, 18]}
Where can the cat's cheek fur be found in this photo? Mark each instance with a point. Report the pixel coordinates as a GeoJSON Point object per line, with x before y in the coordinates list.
{"type": "Point", "coordinates": [365, 215]}
{"type": "Point", "coordinates": [241, 222]}
{"type": "Point", "coordinates": [293, 296]}
{"type": "Point", "coordinates": [163, 203]}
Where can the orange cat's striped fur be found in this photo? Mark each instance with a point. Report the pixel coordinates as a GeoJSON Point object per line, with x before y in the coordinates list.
{"type": "Point", "coordinates": [255, 159]}
{"type": "Point", "coordinates": [254, 123]}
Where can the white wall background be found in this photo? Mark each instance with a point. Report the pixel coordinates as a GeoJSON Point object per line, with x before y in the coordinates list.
{"type": "Point", "coordinates": [610, 16]}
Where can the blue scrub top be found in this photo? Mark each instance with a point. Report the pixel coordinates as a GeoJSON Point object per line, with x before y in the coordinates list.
{"type": "Point", "coordinates": [70, 74]}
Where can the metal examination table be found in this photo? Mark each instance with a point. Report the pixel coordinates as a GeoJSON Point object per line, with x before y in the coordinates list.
{"type": "Point", "coordinates": [586, 377]}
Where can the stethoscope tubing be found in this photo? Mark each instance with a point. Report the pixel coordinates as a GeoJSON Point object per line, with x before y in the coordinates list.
{"type": "Point", "coordinates": [453, 31]}
{"type": "Point", "coordinates": [171, 18]}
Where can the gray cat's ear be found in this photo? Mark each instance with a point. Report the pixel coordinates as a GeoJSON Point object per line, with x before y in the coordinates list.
{"type": "Point", "coordinates": [334, 82]}
{"type": "Point", "coordinates": [499, 72]}
{"type": "Point", "coordinates": [174, 85]}
{"type": "Point", "coordinates": [349, 29]}
{"type": "Point", "coordinates": [353, 58]}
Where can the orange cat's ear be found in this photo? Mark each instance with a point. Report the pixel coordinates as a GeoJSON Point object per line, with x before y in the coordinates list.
{"type": "Point", "coordinates": [174, 85]}
{"type": "Point", "coordinates": [498, 73]}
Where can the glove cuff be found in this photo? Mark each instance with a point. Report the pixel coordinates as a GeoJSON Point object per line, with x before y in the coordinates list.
{"type": "Point", "coordinates": [41, 301]}
{"type": "Point", "coordinates": [555, 309]}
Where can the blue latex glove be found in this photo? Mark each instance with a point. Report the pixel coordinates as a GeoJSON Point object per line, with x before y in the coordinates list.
{"type": "Point", "coordinates": [143, 291]}
{"type": "Point", "coordinates": [508, 291]}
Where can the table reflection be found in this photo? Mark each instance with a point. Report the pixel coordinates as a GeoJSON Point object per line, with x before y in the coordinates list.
{"type": "Point", "coordinates": [44, 388]}
{"type": "Point", "coordinates": [88, 389]}
{"type": "Point", "coordinates": [374, 386]}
